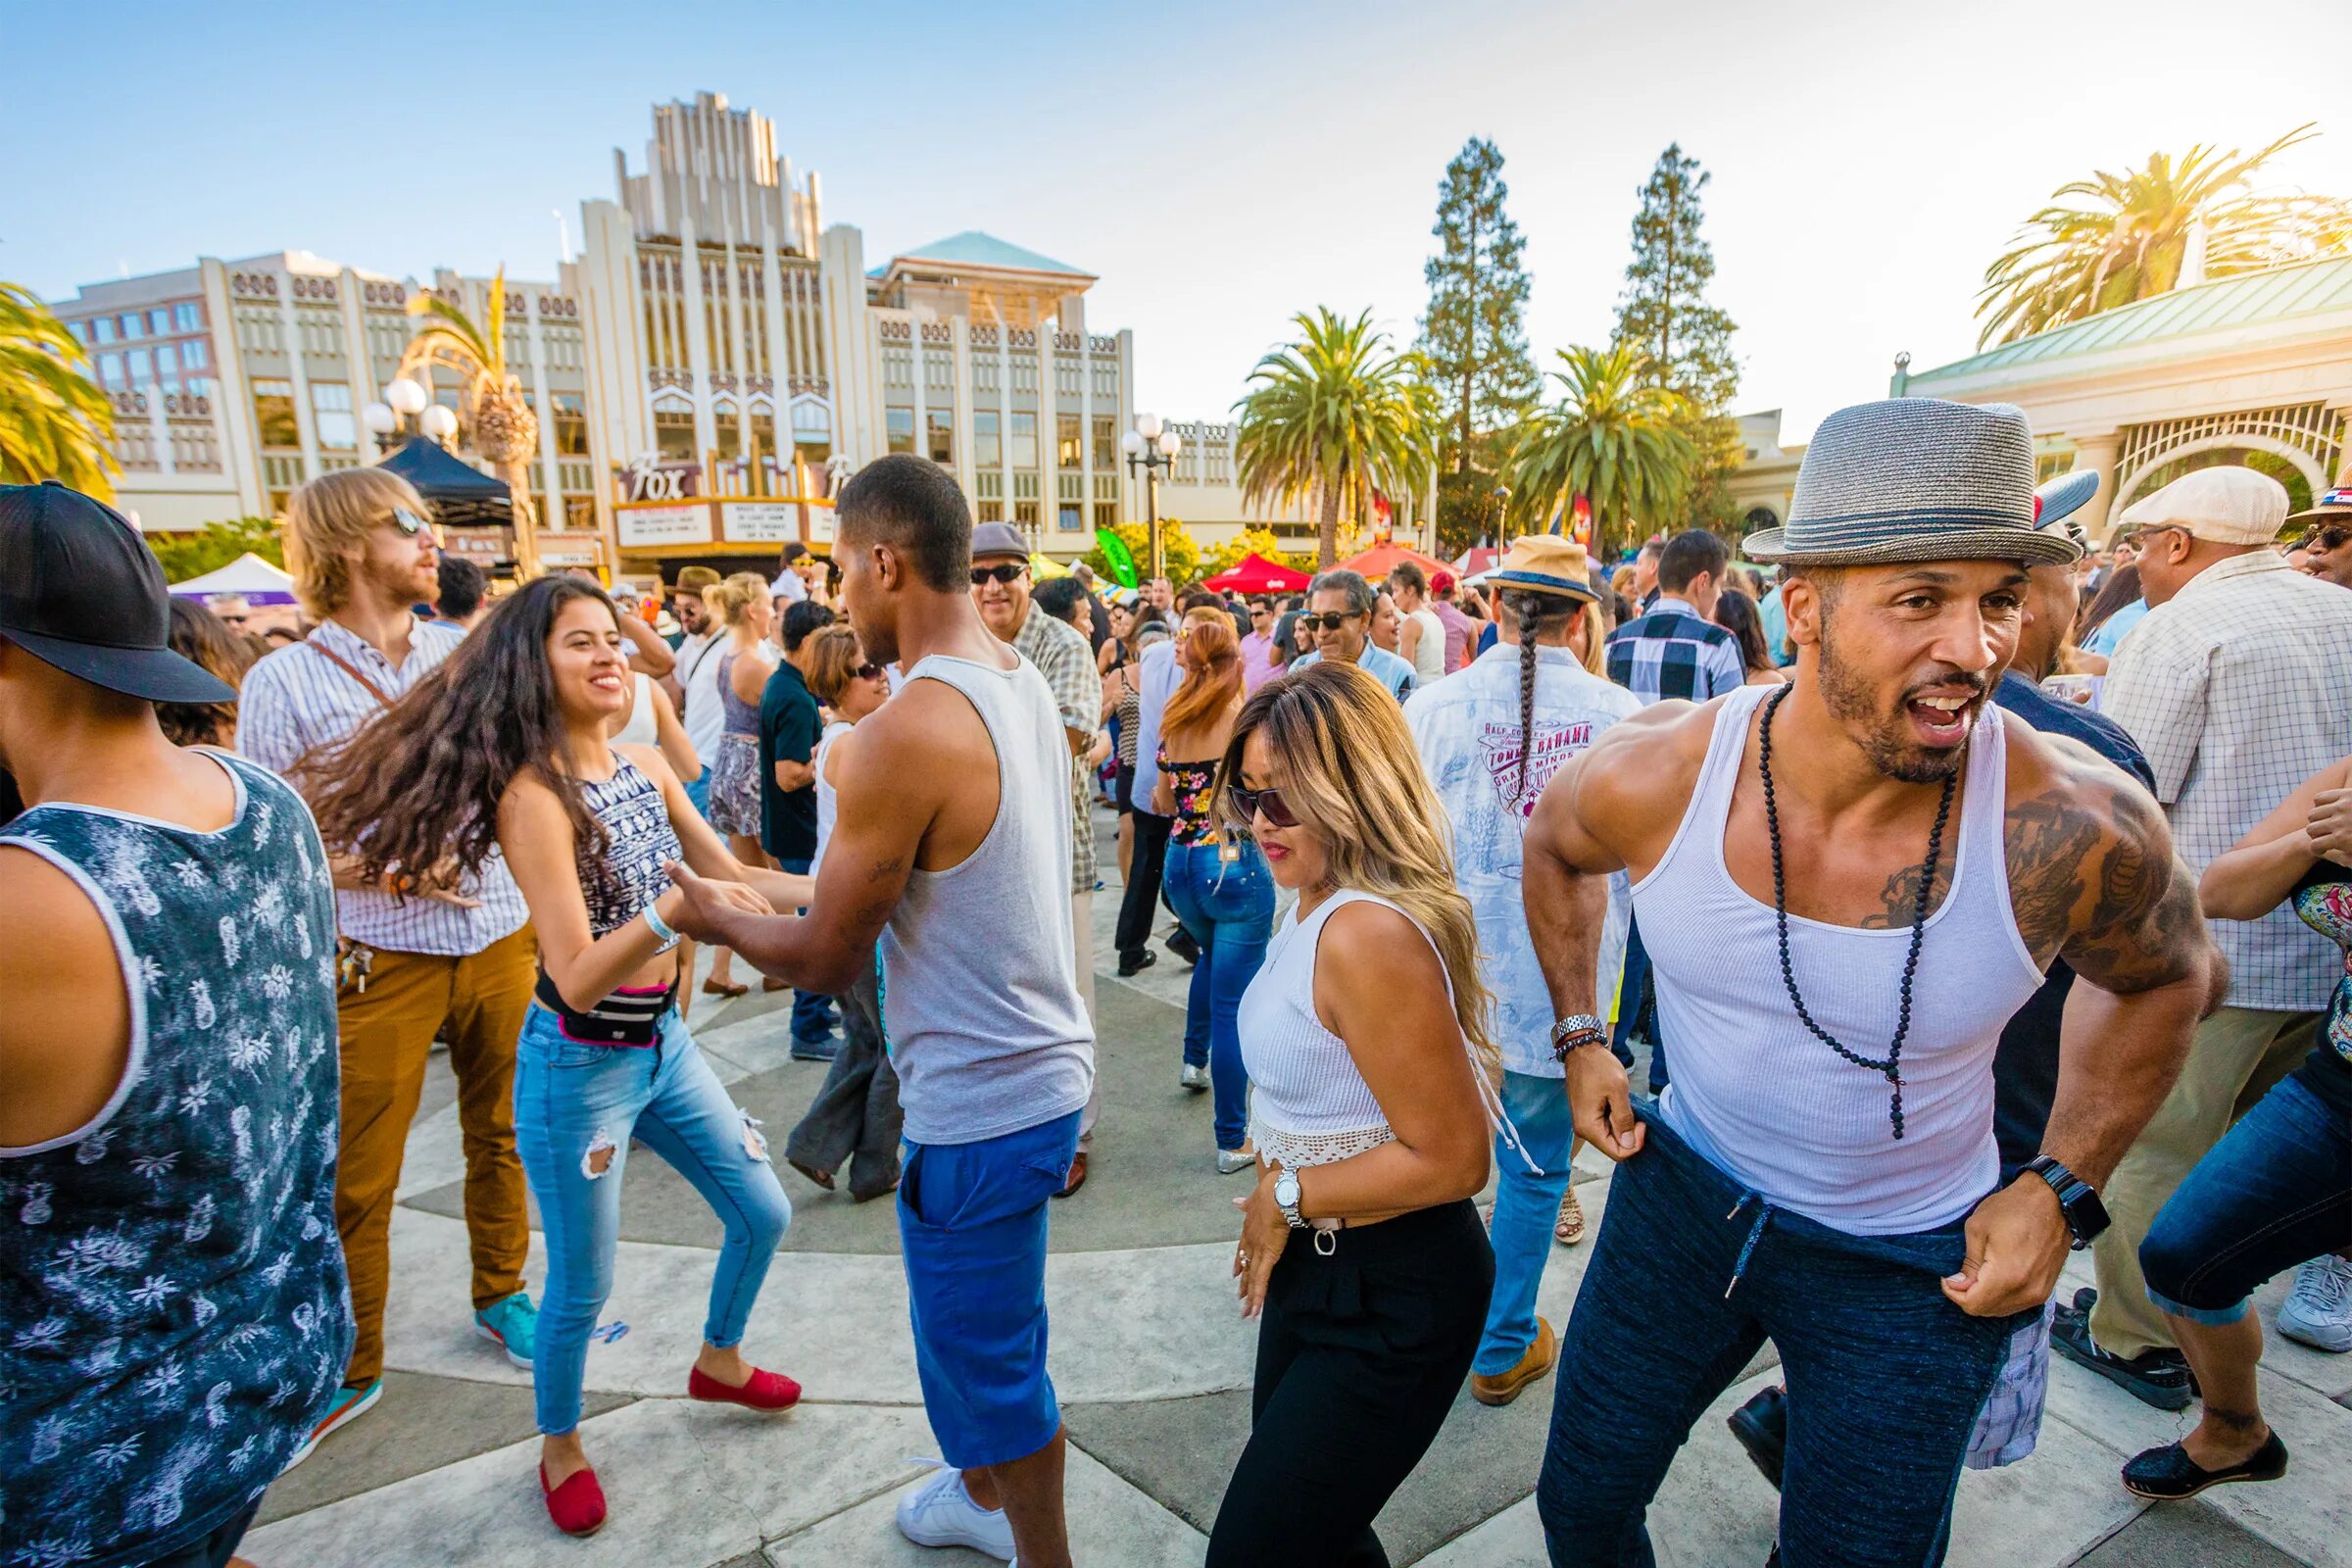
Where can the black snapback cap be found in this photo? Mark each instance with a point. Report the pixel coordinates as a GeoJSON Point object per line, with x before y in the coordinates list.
{"type": "Point", "coordinates": [81, 590]}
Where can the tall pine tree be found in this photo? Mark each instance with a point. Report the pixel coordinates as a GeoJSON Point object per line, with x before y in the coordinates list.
{"type": "Point", "coordinates": [1688, 342]}
{"type": "Point", "coordinates": [1665, 309]}
{"type": "Point", "coordinates": [1473, 338]}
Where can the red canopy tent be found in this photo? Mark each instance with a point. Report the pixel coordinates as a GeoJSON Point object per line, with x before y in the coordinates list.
{"type": "Point", "coordinates": [1256, 574]}
{"type": "Point", "coordinates": [1381, 559]}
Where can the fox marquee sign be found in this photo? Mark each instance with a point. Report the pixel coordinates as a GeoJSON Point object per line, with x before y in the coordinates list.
{"type": "Point", "coordinates": [651, 480]}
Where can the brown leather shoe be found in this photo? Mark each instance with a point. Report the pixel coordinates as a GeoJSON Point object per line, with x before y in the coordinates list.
{"type": "Point", "coordinates": [1077, 1176]}
{"type": "Point", "coordinates": [1539, 1358]}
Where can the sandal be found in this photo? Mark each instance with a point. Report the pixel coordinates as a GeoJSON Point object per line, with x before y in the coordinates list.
{"type": "Point", "coordinates": [822, 1178]}
{"type": "Point", "coordinates": [1570, 1228]}
{"type": "Point", "coordinates": [725, 988]}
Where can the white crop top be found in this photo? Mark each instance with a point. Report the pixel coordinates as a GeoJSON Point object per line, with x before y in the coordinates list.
{"type": "Point", "coordinates": [1308, 1105]}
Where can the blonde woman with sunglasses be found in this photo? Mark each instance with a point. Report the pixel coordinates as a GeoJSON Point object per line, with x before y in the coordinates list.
{"type": "Point", "coordinates": [1365, 1037]}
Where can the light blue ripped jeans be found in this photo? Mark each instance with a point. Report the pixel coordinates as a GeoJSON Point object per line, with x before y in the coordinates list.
{"type": "Point", "coordinates": [576, 1106]}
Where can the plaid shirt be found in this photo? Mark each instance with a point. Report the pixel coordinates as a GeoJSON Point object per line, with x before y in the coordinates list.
{"type": "Point", "coordinates": [1061, 655]}
{"type": "Point", "coordinates": [1673, 650]}
{"type": "Point", "coordinates": [294, 700]}
{"type": "Point", "coordinates": [2239, 689]}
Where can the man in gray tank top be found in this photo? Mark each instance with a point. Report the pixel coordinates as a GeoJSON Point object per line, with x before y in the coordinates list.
{"type": "Point", "coordinates": [951, 857]}
{"type": "Point", "coordinates": [1843, 953]}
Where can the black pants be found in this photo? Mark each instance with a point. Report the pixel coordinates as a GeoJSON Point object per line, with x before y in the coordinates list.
{"type": "Point", "coordinates": [1359, 1356]}
{"type": "Point", "coordinates": [1139, 906]}
{"type": "Point", "coordinates": [855, 1119]}
{"type": "Point", "coordinates": [216, 1548]}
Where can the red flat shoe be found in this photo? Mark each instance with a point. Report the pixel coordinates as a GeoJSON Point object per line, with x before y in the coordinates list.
{"type": "Point", "coordinates": [577, 1506]}
{"type": "Point", "coordinates": [771, 1391]}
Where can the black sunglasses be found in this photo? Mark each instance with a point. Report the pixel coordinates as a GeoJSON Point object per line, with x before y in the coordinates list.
{"type": "Point", "coordinates": [1332, 622]}
{"type": "Point", "coordinates": [869, 671]}
{"type": "Point", "coordinates": [2328, 539]}
{"type": "Point", "coordinates": [1243, 806]}
{"type": "Point", "coordinates": [1006, 572]}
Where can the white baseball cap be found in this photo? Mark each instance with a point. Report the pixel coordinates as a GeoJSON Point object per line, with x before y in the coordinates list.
{"type": "Point", "coordinates": [2223, 506]}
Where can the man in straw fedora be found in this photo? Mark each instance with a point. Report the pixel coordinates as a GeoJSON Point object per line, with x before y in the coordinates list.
{"type": "Point", "coordinates": [1490, 735]}
{"type": "Point", "coordinates": [1854, 881]}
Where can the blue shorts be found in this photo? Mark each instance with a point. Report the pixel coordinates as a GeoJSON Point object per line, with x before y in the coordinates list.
{"type": "Point", "coordinates": [699, 791]}
{"type": "Point", "coordinates": [972, 1229]}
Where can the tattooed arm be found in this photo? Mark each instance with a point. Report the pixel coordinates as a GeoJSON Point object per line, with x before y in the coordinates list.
{"type": "Point", "coordinates": [2092, 878]}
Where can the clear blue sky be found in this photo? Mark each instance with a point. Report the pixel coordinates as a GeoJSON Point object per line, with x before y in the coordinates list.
{"type": "Point", "coordinates": [1220, 167]}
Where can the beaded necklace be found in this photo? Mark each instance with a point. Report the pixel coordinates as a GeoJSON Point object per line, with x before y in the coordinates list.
{"type": "Point", "coordinates": [1892, 1066]}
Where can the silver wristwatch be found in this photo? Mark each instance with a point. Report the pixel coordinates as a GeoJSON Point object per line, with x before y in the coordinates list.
{"type": "Point", "coordinates": [1285, 1198]}
{"type": "Point", "coordinates": [1577, 1029]}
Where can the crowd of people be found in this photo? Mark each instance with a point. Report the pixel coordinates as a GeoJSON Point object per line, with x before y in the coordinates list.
{"type": "Point", "coordinates": [1912, 898]}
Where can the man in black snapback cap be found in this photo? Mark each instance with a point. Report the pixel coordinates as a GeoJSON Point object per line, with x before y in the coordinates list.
{"type": "Point", "coordinates": [168, 1071]}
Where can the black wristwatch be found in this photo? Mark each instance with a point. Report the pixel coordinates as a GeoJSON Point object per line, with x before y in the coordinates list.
{"type": "Point", "coordinates": [2078, 1200]}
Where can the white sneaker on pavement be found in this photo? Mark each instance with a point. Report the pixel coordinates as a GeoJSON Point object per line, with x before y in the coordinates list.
{"type": "Point", "coordinates": [940, 1512]}
{"type": "Point", "coordinates": [2318, 1311]}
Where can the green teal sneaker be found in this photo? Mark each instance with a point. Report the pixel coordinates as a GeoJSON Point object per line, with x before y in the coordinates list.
{"type": "Point", "coordinates": [347, 1406]}
{"type": "Point", "coordinates": [512, 1325]}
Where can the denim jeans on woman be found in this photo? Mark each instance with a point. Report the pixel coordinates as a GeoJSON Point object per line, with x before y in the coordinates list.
{"type": "Point", "coordinates": [1228, 907]}
{"type": "Point", "coordinates": [2274, 1193]}
{"type": "Point", "coordinates": [1690, 1275]}
{"type": "Point", "coordinates": [1527, 1205]}
{"type": "Point", "coordinates": [576, 1106]}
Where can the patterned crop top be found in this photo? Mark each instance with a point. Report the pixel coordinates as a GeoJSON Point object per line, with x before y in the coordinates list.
{"type": "Point", "coordinates": [628, 876]}
{"type": "Point", "coordinates": [2323, 899]}
{"type": "Point", "coordinates": [1195, 785]}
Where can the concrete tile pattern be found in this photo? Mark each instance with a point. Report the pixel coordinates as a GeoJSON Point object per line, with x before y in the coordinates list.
{"type": "Point", "coordinates": [1153, 1363]}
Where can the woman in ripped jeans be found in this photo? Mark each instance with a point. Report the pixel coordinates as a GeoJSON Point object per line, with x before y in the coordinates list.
{"type": "Point", "coordinates": [504, 750]}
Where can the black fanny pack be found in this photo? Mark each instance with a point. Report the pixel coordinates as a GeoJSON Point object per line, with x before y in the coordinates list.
{"type": "Point", "coordinates": [629, 1016]}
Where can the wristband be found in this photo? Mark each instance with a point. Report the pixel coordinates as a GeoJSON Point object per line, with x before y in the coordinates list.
{"type": "Point", "coordinates": [661, 928]}
{"type": "Point", "coordinates": [1578, 1029]}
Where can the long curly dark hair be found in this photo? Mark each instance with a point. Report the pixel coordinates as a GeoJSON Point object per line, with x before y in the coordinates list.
{"type": "Point", "coordinates": [415, 795]}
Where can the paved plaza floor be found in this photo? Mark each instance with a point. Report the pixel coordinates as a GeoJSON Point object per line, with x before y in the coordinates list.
{"type": "Point", "coordinates": [1153, 1363]}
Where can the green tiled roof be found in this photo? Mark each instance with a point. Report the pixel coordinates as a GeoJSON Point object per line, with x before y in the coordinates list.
{"type": "Point", "coordinates": [973, 248]}
{"type": "Point", "coordinates": [2281, 293]}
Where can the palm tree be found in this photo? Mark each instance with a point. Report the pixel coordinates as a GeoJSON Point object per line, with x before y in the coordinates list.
{"type": "Point", "coordinates": [54, 419]}
{"type": "Point", "coordinates": [2131, 236]}
{"type": "Point", "coordinates": [1620, 443]}
{"type": "Point", "coordinates": [504, 431]}
{"type": "Point", "coordinates": [1336, 413]}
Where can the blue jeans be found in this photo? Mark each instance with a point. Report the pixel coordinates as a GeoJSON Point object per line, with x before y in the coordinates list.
{"type": "Point", "coordinates": [972, 1234]}
{"type": "Point", "coordinates": [576, 1106]}
{"type": "Point", "coordinates": [1527, 1204]}
{"type": "Point", "coordinates": [1690, 1275]}
{"type": "Point", "coordinates": [2274, 1193]}
{"type": "Point", "coordinates": [1638, 1010]}
{"type": "Point", "coordinates": [811, 1010]}
{"type": "Point", "coordinates": [1228, 907]}
{"type": "Point", "coordinates": [698, 791]}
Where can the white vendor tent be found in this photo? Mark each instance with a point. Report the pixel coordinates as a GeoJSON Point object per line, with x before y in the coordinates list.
{"type": "Point", "coordinates": [248, 574]}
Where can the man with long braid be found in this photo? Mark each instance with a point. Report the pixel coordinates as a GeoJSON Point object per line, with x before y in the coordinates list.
{"type": "Point", "coordinates": [1491, 734]}
{"type": "Point", "coordinates": [1822, 1169]}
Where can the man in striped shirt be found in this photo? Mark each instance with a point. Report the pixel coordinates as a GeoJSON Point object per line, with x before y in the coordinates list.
{"type": "Point", "coordinates": [414, 969]}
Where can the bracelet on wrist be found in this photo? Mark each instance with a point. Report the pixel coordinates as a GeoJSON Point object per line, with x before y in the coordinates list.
{"type": "Point", "coordinates": [1575, 1031]}
{"type": "Point", "coordinates": [661, 928]}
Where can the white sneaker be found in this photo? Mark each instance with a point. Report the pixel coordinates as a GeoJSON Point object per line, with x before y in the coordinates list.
{"type": "Point", "coordinates": [940, 1512]}
{"type": "Point", "coordinates": [1193, 1078]}
{"type": "Point", "coordinates": [2318, 1311]}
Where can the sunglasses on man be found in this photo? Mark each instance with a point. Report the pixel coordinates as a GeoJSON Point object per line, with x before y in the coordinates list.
{"type": "Point", "coordinates": [1245, 806]}
{"type": "Point", "coordinates": [1006, 572]}
{"type": "Point", "coordinates": [2328, 539]}
{"type": "Point", "coordinates": [1331, 622]}
{"type": "Point", "coordinates": [408, 523]}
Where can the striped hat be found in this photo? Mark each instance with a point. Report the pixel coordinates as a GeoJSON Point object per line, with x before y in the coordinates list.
{"type": "Point", "coordinates": [1910, 479]}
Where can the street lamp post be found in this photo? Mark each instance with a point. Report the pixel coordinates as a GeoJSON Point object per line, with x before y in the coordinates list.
{"type": "Point", "coordinates": [1152, 447]}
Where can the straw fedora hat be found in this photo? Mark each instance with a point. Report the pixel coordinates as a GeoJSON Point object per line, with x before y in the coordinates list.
{"type": "Point", "coordinates": [1546, 564]}
{"type": "Point", "coordinates": [1911, 479]}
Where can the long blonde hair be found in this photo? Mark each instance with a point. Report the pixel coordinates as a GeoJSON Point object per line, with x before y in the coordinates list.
{"type": "Point", "coordinates": [1348, 768]}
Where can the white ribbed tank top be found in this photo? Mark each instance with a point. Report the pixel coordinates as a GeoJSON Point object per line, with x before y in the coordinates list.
{"type": "Point", "coordinates": [1756, 1093]}
{"type": "Point", "coordinates": [642, 729]}
{"type": "Point", "coordinates": [1308, 1105]}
